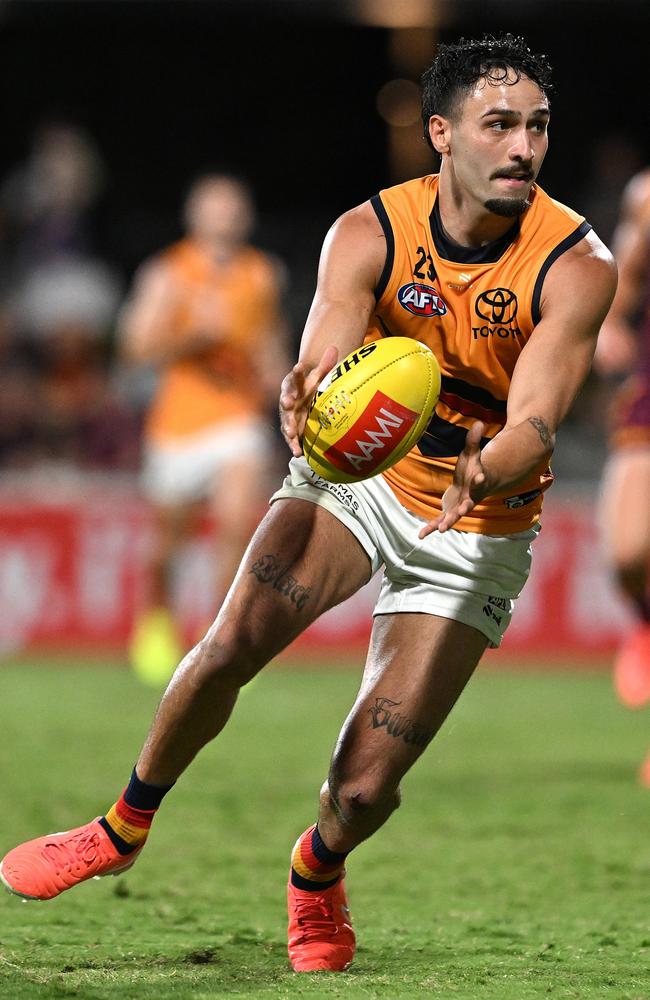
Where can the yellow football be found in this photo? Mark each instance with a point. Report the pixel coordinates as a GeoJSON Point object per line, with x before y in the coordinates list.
{"type": "Point", "coordinates": [371, 409]}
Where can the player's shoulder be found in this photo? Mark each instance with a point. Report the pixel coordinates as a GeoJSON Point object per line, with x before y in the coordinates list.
{"type": "Point", "coordinates": [357, 224]}
{"type": "Point", "coordinates": [356, 242]}
{"type": "Point", "coordinates": [170, 261]}
{"type": "Point", "coordinates": [365, 220]}
{"type": "Point", "coordinates": [584, 277]}
{"type": "Point", "coordinates": [158, 267]}
{"type": "Point", "coordinates": [548, 211]}
{"type": "Point", "coordinates": [585, 244]}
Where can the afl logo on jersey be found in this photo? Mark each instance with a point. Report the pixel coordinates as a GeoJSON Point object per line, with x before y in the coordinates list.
{"type": "Point", "coordinates": [421, 300]}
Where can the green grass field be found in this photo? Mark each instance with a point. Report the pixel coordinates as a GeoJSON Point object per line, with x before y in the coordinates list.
{"type": "Point", "coordinates": [517, 867]}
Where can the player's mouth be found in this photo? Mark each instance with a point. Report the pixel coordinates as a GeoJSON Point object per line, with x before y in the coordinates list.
{"type": "Point", "coordinates": [515, 181]}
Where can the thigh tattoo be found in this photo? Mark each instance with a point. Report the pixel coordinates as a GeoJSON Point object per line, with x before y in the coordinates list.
{"type": "Point", "coordinates": [272, 570]}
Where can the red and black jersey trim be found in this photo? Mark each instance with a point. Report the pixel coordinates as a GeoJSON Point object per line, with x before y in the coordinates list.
{"type": "Point", "coordinates": [442, 439]}
{"type": "Point", "coordinates": [566, 244]}
{"type": "Point", "coordinates": [382, 215]}
{"type": "Point", "coordinates": [472, 401]}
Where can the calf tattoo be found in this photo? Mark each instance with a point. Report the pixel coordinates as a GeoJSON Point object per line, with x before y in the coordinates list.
{"type": "Point", "coordinates": [383, 716]}
{"type": "Point", "coordinates": [543, 431]}
{"type": "Point", "coordinates": [270, 569]}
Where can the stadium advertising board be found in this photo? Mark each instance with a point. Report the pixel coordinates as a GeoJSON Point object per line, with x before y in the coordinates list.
{"type": "Point", "coordinates": [71, 576]}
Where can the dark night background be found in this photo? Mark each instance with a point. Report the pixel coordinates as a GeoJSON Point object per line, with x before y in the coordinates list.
{"type": "Point", "coordinates": [284, 92]}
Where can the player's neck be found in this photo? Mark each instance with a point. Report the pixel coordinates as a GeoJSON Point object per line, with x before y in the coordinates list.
{"type": "Point", "coordinates": [466, 221]}
{"type": "Point", "coordinates": [218, 251]}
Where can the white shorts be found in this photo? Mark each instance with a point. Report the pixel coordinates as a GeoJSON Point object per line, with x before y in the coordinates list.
{"type": "Point", "coordinates": [185, 469]}
{"type": "Point", "coordinates": [462, 575]}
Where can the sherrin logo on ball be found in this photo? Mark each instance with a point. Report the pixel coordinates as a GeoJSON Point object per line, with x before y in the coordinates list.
{"type": "Point", "coordinates": [371, 409]}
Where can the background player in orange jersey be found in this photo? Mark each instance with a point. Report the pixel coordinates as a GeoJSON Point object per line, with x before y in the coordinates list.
{"type": "Point", "coordinates": [624, 348]}
{"type": "Point", "coordinates": [454, 523]}
{"type": "Point", "coordinates": [205, 314]}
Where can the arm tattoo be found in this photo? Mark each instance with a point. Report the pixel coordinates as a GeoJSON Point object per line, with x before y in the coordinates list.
{"type": "Point", "coordinates": [545, 435]}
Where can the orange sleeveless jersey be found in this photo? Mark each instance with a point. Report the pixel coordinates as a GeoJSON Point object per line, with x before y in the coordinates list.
{"type": "Point", "coordinates": [196, 394]}
{"type": "Point", "coordinates": [476, 310]}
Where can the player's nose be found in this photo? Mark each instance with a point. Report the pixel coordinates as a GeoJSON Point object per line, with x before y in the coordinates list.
{"type": "Point", "coordinates": [522, 147]}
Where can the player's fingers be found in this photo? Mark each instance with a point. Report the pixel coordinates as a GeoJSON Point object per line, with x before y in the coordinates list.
{"type": "Point", "coordinates": [448, 519]}
{"type": "Point", "coordinates": [325, 365]}
{"type": "Point", "coordinates": [294, 445]}
{"type": "Point", "coordinates": [328, 360]}
{"type": "Point", "coordinates": [289, 388]}
{"type": "Point", "coordinates": [429, 528]}
{"type": "Point", "coordinates": [289, 428]}
{"type": "Point", "coordinates": [474, 435]}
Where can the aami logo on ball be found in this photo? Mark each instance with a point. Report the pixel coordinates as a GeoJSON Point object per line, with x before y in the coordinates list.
{"type": "Point", "coordinates": [421, 300]}
{"type": "Point", "coordinates": [380, 428]}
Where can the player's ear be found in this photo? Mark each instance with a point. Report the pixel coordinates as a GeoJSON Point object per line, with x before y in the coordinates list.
{"type": "Point", "coordinates": [439, 133]}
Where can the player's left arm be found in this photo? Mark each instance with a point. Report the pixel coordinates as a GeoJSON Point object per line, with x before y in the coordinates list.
{"type": "Point", "coordinates": [577, 294]}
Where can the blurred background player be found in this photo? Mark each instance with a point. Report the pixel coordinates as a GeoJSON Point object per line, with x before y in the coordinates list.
{"type": "Point", "coordinates": [204, 313]}
{"type": "Point", "coordinates": [624, 348]}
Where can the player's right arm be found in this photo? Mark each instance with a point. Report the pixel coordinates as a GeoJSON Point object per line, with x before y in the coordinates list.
{"type": "Point", "coordinates": [353, 257]}
{"type": "Point", "coordinates": [617, 344]}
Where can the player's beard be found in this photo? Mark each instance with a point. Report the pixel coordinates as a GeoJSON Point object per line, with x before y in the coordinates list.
{"type": "Point", "coordinates": [508, 207]}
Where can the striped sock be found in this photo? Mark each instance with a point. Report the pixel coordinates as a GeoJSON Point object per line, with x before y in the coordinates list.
{"type": "Point", "coordinates": [127, 822]}
{"type": "Point", "coordinates": [313, 866]}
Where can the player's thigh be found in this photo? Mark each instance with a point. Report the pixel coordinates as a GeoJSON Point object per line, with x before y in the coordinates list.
{"type": "Point", "coordinates": [300, 562]}
{"type": "Point", "coordinates": [417, 666]}
{"type": "Point", "coordinates": [625, 506]}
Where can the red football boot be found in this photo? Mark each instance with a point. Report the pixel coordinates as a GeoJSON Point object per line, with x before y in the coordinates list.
{"type": "Point", "coordinates": [321, 938]}
{"type": "Point", "coordinates": [45, 867]}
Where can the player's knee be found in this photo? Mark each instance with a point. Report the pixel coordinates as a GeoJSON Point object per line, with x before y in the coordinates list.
{"type": "Point", "coordinates": [226, 656]}
{"type": "Point", "coordinates": [366, 797]}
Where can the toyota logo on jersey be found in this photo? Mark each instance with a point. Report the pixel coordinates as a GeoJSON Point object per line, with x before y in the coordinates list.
{"type": "Point", "coordinates": [421, 300]}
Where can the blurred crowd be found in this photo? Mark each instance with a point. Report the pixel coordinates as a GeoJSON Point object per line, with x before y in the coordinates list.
{"type": "Point", "coordinates": [60, 398]}
{"type": "Point", "coordinates": [68, 402]}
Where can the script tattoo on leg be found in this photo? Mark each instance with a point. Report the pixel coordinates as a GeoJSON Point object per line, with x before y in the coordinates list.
{"type": "Point", "coordinates": [397, 725]}
{"type": "Point", "coordinates": [545, 435]}
{"type": "Point", "coordinates": [271, 569]}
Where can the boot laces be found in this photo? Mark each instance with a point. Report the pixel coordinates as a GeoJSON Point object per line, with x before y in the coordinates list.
{"type": "Point", "coordinates": [78, 850]}
{"type": "Point", "coordinates": [315, 917]}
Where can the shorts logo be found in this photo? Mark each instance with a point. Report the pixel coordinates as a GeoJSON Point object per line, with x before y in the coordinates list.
{"type": "Point", "coordinates": [377, 432]}
{"type": "Point", "coordinates": [339, 490]}
{"type": "Point", "coordinates": [421, 300]}
{"type": "Point", "coordinates": [497, 305]}
{"type": "Point", "coordinates": [493, 605]}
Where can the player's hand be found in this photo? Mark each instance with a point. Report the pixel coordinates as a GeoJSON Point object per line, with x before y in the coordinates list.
{"type": "Point", "coordinates": [296, 393]}
{"type": "Point", "coordinates": [469, 487]}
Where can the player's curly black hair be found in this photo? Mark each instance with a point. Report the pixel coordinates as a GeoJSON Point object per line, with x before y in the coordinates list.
{"type": "Point", "coordinates": [457, 67]}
